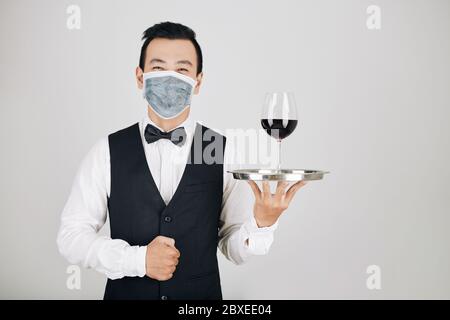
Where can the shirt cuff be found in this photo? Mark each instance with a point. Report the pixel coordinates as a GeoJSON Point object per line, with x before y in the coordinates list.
{"type": "Point", "coordinates": [134, 261]}
{"type": "Point", "coordinates": [254, 226]}
{"type": "Point", "coordinates": [259, 239]}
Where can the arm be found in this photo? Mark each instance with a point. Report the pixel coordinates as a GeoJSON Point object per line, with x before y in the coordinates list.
{"type": "Point", "coordinates": [239, 234]}
{"type": "Point", "coordinates": [85, 214]}
{"type": "Point", "coordinates": [248, 221]}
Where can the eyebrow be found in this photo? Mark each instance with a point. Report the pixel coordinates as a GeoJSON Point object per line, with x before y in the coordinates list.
{"type": "Point", "coordinates": [155, 60]}
{"type": "Point", "coordinates": [185, 62]}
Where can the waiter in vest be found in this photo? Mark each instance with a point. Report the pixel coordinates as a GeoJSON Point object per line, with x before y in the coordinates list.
{"type": "Point", "coordinates": [162, 180]}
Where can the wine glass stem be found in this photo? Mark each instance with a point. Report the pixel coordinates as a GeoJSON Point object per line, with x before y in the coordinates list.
{"type": "Point", "coordinates": [279, 155]}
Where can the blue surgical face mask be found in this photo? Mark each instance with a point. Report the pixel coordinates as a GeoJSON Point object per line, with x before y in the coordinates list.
{"type": "Point", "coordinates": [168, 92]}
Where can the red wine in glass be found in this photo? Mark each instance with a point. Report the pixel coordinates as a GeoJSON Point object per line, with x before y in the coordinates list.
{"type": "Point", "coordinates": [279, 117]}
{"type": "Point", "coordinates": [279, 128]}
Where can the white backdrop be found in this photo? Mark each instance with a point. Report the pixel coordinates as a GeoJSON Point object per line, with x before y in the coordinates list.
{"type": "Point", "coordinates": [373, 110]}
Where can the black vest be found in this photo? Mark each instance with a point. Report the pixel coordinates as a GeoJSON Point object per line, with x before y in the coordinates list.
{"type": "Point", "coordinates": [138, 214]}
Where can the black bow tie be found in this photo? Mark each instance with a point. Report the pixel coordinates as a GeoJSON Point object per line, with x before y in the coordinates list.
{"type": "Point", "coordinates": [177, 135]}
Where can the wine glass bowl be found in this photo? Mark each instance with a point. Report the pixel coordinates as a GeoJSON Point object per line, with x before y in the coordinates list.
{"type": "Point", "coordinates": [279, 116]}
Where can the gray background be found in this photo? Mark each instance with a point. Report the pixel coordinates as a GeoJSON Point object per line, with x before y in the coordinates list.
{"type": "Point", "coordinates": [373, 109]}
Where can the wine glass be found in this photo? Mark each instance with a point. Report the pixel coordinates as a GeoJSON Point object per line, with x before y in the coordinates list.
{"type": "Point", "coordinates": [279, 117]}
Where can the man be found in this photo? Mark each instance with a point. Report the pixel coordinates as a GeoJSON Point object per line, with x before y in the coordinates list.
{"type": "Point", "coordinates": [167, 217]}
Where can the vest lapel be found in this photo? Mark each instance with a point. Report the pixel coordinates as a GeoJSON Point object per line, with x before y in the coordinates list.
{"type": "Point", "coordinates": [154, 189]}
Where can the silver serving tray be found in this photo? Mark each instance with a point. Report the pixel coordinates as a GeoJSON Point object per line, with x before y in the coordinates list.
{"type": "Point", "coordinates": [278, 175]}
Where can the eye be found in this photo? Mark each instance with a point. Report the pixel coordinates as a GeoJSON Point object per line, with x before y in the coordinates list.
{"type": "Point", "coordinates": [157, 68]}
{"type": "Point", "coordinates": [183, 70]}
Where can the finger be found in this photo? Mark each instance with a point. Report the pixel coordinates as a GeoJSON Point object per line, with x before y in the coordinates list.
{"type": "Point", "coordinates": [171, 262]}
{"type": "Point", "coordinates": [255, 188]}
{"type": "Point", "coordinates": [281, 187]}
{"type": "Point", "coordinates": [266, 189]}
{"type": "Point", "coordinates": [168, 241]}
{"type": "Point", "coordinates": [168, 277]}
{"type": "Point", "coordinates": [170, 269]}
{"type": "Point", "coordinates": [293, 189]}
{"type": "Point", "coordinates": [296, 185]}
{"type": "Point", "coordinates": [173, 252]}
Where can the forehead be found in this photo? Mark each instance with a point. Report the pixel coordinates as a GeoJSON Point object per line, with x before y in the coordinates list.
{"type": "Point", "coordinates": [171, 50]}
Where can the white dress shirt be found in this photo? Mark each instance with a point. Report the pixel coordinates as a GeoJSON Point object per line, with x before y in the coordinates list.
{"type": "Point", "coordinates": [86, 209]}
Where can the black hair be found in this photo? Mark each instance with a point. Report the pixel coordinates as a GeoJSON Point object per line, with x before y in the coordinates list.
{"type": "Point", "coordinates": [170, 30]}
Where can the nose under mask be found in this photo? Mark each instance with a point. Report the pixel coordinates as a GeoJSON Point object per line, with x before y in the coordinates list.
{"type": "Point", "coordinates": [168, 93]}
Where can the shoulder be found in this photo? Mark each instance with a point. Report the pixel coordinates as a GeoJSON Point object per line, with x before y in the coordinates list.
{"type": "Point", "coordinates": [124, 131]}
{"type": "Point", "coordinates": [211, 131]}
{"type": "Point", "coordinates": [100, 150]}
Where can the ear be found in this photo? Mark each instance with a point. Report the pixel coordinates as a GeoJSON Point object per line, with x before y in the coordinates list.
{"type": "Point", "coordinates": [139, 78]}
{"type": "Point", "coordinates": [199, 82]}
